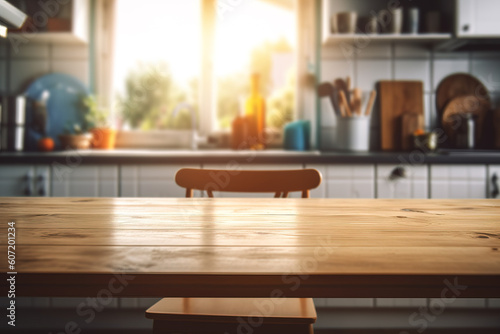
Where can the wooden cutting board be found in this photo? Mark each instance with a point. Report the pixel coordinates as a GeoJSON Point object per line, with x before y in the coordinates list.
{"type": "Point", "coordinates": [396, 99]}
{"type": "Point", "coordinates": [455, 85]}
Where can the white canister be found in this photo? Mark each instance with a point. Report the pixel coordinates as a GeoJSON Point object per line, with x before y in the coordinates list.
{"type": "Point", "coordinates": [353, 133]}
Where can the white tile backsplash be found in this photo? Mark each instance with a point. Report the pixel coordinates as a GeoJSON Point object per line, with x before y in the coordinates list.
{"type": "Point", "coordinates": [333, 69]}
{"type": "Point", "coordinates": [369, 72]}
{"type": "Point", "coordinates": [337, 52]}
{"type": "Point", "coordinates": [411, 51]}
{"type": "Point", "coordinates": [24, 71]}
{"type": "Point", "coordinates": [31, 51]}
{"type": "Point", "coordinates": [494, 302]}
{"type": "Point", "coordinates": [70, 52]}
{"type": "Point", "coordinates": [488, 72]}
{"type": "Point", "coordinates": [77, 68]}
{"type": "Point", "coordinates": [349, 302]}
{"type": "Point", "coordinates": [31, 60]}
{"type": "Point", "coordinates": [374, 51]}
{"type": "Point", "coordinates": [459, 303]}
{"type": "Point", "coordinates": [413, 70]}
{"type": "Point", "coordinates": [400, 302]}
{"type": "Point", "coordinates": [445, 67]}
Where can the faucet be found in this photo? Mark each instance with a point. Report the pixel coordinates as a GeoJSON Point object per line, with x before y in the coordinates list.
{"type": "Point", "coordinates": [194, 134]}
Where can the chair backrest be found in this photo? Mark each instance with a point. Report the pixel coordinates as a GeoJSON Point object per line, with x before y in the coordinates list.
{"type": "Point", "coordinates": [279, 182]}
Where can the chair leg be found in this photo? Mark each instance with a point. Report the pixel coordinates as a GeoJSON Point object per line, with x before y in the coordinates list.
{"type": "Point", "coordinates": [306, 193]}
{"type": "Point", "coordinates": [189, 193]}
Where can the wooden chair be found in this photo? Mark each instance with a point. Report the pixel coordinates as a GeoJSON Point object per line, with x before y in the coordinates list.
{"type": "Point", "coordinates": [279, 182]}
{"type": "Point", "coordinates": [238, 315]}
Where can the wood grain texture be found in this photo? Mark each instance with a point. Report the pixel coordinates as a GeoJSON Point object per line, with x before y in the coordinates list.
{"type": "Point", "coordinates": [298, 310]}
{"type": "Point", "coordinates": [396, 99]}
{"type": "Point", "coordinates": [222, 247]}
{"type": "Point", "coordinates": [455, 85]}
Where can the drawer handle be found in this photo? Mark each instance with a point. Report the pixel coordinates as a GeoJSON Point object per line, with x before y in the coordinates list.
{"type": "Point", "coordinates": [397, 173]}
{"type": "Point", "coordinates": [494, 186]}
{"type": "Point", "coordinates": [28, 190]}
{"type": "Point", "coordinates": [41, 185]}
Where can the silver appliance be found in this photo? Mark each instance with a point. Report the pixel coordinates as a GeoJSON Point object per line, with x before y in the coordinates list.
{"type": "Point", "coordinates": [13, 123]}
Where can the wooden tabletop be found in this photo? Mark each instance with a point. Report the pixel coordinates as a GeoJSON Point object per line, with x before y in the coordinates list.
{"type": "Point", "coordinates": [180, 247]}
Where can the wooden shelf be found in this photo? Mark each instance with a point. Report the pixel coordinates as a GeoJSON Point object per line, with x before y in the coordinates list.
{"type": "Point", "coordinates": [334, 39]}
{"type": "Point", "coordinates": [51, 37]}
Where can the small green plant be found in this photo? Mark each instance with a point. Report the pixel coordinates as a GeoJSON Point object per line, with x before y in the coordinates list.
{"type": "Point", "coordinates": [95, 116]}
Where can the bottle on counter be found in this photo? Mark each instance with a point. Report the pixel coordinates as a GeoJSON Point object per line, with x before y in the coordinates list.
{"type": "Point", "coordinates": [465, 138]}
{"type": "Point", "coordinates": [255, 113]}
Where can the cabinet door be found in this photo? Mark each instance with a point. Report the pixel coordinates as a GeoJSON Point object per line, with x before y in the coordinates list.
{"type": "Point", "coordinates": [494, 181]}
{"type": "Point", "coordinates": [24, 180]}
{"type": "Point", "coordinates": [85, 181]}
{"type": "Point", "coordinates": [234, 167]}
{"type": "Point", "coordinates": [458, 181]}
{"type": "Point", "coordinates": [345, 181]}
{"type": "Point", "coordinates": [152, 181]}
{"type": "Point", "coordinates": [17, 180]}
{"type": "Point", "coordinates": [478, 18]}
{"type": "Point", "coordinates": [413, 183]}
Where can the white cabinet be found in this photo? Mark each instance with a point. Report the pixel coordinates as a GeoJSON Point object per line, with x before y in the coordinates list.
{"type": "Point", "coordinates": [76, 11]}
{"type": "Point", "coordinates": [151, 181]}
{"type": "Point", "coordinates": [494, 181]}
{"type": "Point", "coordinates": [458, 181]}
{"type": "Point", "coordinates": [24, 180]}
{"type": "Point", "coordinates": [345, 181]}
{"type": "Point", "coordinates": [477, 18]}
{"type": "Point", "coordinates": [399, 181]}
{"type": "Point", "coordinates": [221, 177]}
{"type": "Point", "coordinates": [85, 181]}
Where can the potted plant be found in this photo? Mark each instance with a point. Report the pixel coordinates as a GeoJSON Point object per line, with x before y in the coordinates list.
{"type": "Point", "coordinates": [104, 136]}
{"type": "Point", "coordinates": [75, 137]}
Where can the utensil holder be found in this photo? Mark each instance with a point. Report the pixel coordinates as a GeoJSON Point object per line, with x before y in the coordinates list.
{"type": "Point", "coordinates": [353, 133]}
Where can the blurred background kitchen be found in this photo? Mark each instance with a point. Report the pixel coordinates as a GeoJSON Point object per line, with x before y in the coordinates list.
{"type": "Point", "coordinates": [388, 99]}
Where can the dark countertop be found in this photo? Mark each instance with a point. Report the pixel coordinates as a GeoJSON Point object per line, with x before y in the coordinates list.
{"type": "Point", "coordinates": [261, 157]}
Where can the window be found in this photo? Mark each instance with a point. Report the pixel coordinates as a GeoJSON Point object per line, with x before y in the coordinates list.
{"type": "Point", "coordinates": [156, 65]}
{"type": "Point", "coordinates": [255, 37]}
{"type": "Point", "coordinates": [158, 60]}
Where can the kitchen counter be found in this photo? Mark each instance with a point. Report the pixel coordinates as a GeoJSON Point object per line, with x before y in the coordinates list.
{"type": "Point", "coordinates": [262, 157]}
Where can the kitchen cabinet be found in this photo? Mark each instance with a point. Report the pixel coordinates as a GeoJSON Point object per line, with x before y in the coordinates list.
{"type": "Point", "coordinates": [151, 181]}
{"type": "Point", "coordinates": [24, 180]}
{"type": "Point", "coordinates": [458, 181]}
{"type": "Point", "coordinates": [75, 12]}
{"type": "Point", "coordinates": [494, 181]}
{"type": "Point", "coordinates": [402, 181]}
{"type": "Point", "coordinates": [85, 181]}
{"type": "Point", "coordinates": [345, 181]}
{"type": "Point", "coordinates": [477, 18]}
{"type": "Point", "coordinates": [233, 168]}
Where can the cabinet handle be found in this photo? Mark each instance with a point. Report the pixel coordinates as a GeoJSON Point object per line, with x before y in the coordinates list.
{"type": "Point", "coordinates": [465, 27]}
{"type": "Point", "coordinates": [397, 173]}
{"type": "Point", "coordinates": [494, 186]}
{"type": "Point", "coordinates": [28, 190]}
{"type": "Point", "coordinates": [41, 185]}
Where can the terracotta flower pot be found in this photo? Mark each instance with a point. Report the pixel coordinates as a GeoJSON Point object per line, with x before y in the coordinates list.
{"type": "Point", "coordinates": [76, 142]}
{"type": "Point", "coordinates": [103, 138]}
